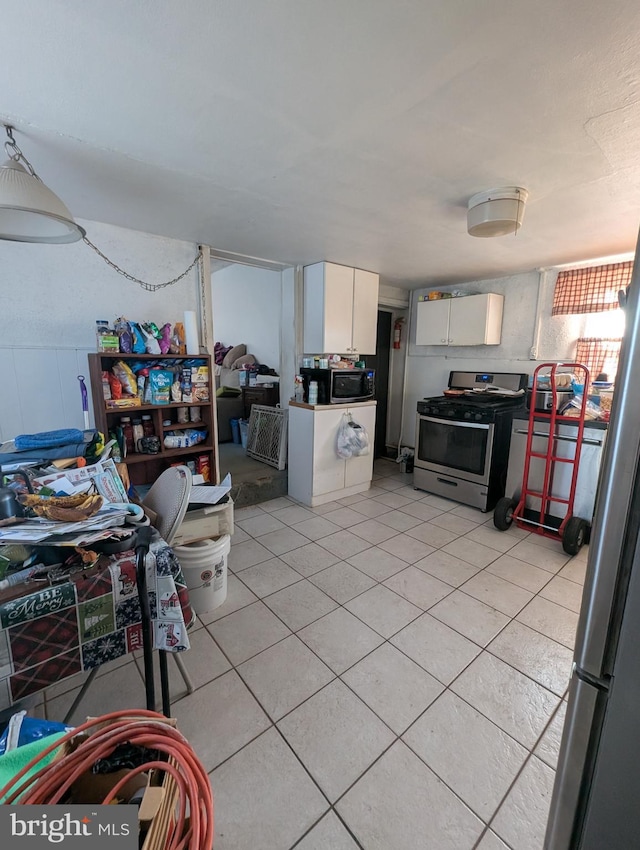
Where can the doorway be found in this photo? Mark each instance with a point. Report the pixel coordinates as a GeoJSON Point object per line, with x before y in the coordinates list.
{"type": "Point", "coordinates": [380, 362]}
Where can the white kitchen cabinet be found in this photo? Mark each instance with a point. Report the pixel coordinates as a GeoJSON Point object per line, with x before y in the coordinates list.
{"type": "Point", "coordinates": [340, 310]}
{"type": "Point", "coordinates": [468, 320]}
{"type": "Point", "coordinates": [316, 473]}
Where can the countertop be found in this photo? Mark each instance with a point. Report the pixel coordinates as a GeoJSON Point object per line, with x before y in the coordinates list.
{"type": "Point", "coordinates": [305, 406]}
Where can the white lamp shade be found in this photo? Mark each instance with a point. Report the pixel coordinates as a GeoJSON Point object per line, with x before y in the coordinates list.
{"type": "Point", "coordinates": [30, 211]}
{"type": "Point", "coordinates": [496, 212]}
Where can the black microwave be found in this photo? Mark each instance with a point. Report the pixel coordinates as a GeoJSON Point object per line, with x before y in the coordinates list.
{"type": "Point", "coordinates": [340, 386]}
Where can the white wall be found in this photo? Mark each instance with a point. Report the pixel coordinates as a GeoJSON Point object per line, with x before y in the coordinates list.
{"type": "Point", "coordinates": [247, 305]}
{"type": "Point", "coordinates": [521, 349]}
{"type": "Point", "coordinates": [52, 296]}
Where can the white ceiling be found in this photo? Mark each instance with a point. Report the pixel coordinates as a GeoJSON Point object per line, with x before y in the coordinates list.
{"type": "Point", "coordinates": [348, 130]}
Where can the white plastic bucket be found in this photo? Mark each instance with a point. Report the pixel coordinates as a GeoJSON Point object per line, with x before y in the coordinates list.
{"type": "Point", "coordinates": [204, 565]}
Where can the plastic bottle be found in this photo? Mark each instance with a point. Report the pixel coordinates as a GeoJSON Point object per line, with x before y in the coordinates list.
{"type": "Point", "coordinates": [147, 426]}
{"type": "Point", "coordinates": [127, 430]}
{"type": "Point", "coordinates": [298, 394]}
{"type": "Point", "coordinates": [138, 433]}
{"type": "Point", "coordinates": [313, 392]}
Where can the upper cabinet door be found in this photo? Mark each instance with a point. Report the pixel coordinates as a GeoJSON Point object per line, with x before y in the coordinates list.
{"type": "Point", "coordinates": [338, 309]}
{"type": "Point", "coordinates": [365, 312]}
{"type": "Point", "coordinates": [476, 320]}
{"type": "Point", "coordinates": [432, 322]}
{"type": "Point", "coordinates": [328, 309]}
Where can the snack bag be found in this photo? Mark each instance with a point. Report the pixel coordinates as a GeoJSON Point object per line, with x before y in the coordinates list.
{"type": "Point", "coordinates": [165, 339]}
{"type": "Point", "coordinates": [160, 381]}
{"type": "Point", "coordinates": [138, 339]}
{"type": "Point", "coordinates": [115, 386]}
{"type": "Point", "coordinates": [125, 335]}
{"type": "Point", "coordinates": [150, 342]}
{"type": "Point", "coordinates": [126, 377]}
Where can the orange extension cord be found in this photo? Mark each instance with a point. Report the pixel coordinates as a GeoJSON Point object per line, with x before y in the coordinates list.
{"type": "Point", "coordinates": [146, 729]}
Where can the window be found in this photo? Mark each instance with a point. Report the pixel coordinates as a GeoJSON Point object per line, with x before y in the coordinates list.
{"type": "Point", "coordinates": [594, 290]}
{"type": "Point", "coordinates": [590, 290]}
{"type": "Point", "coordinates": [599, 355]}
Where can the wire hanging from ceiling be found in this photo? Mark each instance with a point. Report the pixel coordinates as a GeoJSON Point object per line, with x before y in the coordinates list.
{"type": "Point", "coordinates": [149, 287]}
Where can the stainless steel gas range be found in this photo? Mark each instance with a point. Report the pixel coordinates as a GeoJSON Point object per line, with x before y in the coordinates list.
{"type": "Point", "coordinates": [462, 442]}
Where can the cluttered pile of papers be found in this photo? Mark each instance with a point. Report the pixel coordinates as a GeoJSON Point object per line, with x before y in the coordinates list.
{"type": "Point", "coordinates": [101, 478]}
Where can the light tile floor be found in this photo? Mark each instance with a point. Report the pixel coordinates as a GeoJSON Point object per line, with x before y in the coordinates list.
{"type": "Point", "coordinates": [387, 673]}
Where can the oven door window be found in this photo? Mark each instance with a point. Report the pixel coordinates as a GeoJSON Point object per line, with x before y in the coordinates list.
{"type": "Point", "coordinates": [454, 445]}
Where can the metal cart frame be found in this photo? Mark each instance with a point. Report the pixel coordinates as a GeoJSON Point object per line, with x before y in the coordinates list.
{"type": "Point", "coordinates": [569, 529]}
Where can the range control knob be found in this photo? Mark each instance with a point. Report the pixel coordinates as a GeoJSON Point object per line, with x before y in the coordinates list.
{"type": "Point", "coordinates": [449, 412]}
{"type": "Point", "coordinates": [467, 415]}
{"type": "Point", "coordinates": [478, 417]}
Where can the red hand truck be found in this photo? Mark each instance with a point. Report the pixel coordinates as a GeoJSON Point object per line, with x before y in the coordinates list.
{"type": "Point", "coordinates": [569, 529]}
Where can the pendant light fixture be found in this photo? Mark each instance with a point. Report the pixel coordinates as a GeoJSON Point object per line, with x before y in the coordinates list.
{"type": "Point", "coordinates": [496, 212]}
{"type": "Point", "coordinates": [29, 210]}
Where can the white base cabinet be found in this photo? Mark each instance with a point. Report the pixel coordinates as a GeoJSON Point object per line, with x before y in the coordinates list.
{"type": "Point", "coordinates": [468, 320]}
{"type": "Point", "coordinates": [316, 473]}
{"type": "Point", "coordinates": [340, 310]}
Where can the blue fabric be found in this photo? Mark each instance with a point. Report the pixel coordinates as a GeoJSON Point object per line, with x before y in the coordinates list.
{"type": "Point", "coordinates": [49, 439]}
{"type": "Point", "coordinates": [43, 455]}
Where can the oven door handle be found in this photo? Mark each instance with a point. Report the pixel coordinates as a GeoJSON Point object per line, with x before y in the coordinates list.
{"type": "Point", "coordinates": [566, 439]}
{"type": "Point", "coordinates": [479, 426]}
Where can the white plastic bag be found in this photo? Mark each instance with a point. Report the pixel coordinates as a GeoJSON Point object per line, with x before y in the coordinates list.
{"type": "Point", "coordinates": [353, 440]}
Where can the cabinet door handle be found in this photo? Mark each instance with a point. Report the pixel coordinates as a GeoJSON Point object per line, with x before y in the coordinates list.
{"type": "Point", "coordinates": [443, 340]}
{"type": "Point", "coordinates": [450, 340]}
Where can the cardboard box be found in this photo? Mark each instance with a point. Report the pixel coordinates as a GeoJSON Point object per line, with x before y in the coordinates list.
{"type": "Point", "coordinates": [158, 808]}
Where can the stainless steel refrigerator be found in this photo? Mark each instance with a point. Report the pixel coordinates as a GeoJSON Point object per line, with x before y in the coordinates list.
{"type": "Point", "coordinates": [596, 797]}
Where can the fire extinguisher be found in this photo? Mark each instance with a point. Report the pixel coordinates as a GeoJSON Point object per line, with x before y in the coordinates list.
{"type": "Point", "coordinates": [397, 332]}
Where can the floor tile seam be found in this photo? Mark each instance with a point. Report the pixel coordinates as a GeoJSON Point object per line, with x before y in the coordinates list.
{"type": "Point", "coordinates": [224, 617]}
{"type": "Point", "coordinates": [239, 750]}
{"type": "Point", "coordinates": [572, 580]}
{"type": "Point", "coordinates": [271, 592]}
{"type": "Point", "coordinates": [534, 629]}
{"type": "Point", "coordinates": [406, 599]}
{"type": "Point", "coordinates": [482, 818]}
{"type": "Point", "coordinates": [475, 642]}
{"type": "Point", "coordinates": [399, 739]}
{"type": "Point", "coordinates": [529, 758]}
{"type": "Point", "coordinates": [522, 672]}
{"type": "Point", "coordinates": [535, 592]}
{"type": "Point", "coordinates": [315, 824]}
{"type": "Point", "coordinates": [384, 637]}
{"type": "Point", "coordinates": [552, 573]}
{"type": "Point", "coordinates": [311, 622]}
{"type": "Point", "coordinates": [196, 688]}
{"type": "Point", "coordinates": [448, 689]}
{"type": "Point", "coordinates": [461, 558]}
{"type": "Point", "coordinates": [275, 722]}
{"type": "Point", "coordinates": [339, 675]}
{"type": "Point", "coordinates": [280, 640]}
{"type": "Point", "coordinates": [493, 608]}
{"type": "Point", "coordinates": [342, 604]}
{"type": "Point", "coordinates": [480, 711]}
{"type": "Point", "coordinates": [553, 601]}
{"type": "Point", "coordinates": [330, 804]}
{"type": "Point", "coordinates": [559, 604]}
{"type": "Point", "coordinates": [486, 830]}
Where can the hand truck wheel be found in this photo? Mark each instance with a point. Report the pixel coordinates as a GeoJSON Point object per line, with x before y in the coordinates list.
{"type": "Point", "coordinates": [503, 513]}
{"type": "Point", "coordinates": [574, 535]}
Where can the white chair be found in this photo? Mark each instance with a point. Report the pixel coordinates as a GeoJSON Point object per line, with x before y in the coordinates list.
{"type": "Point", "coordinates": [168, 498]}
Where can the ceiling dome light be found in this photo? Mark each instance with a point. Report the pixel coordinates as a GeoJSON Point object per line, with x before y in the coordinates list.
{"type": "Point", "coordinates": [496, 212]}
{"type": "Point", "coordinates": [29, 210]}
